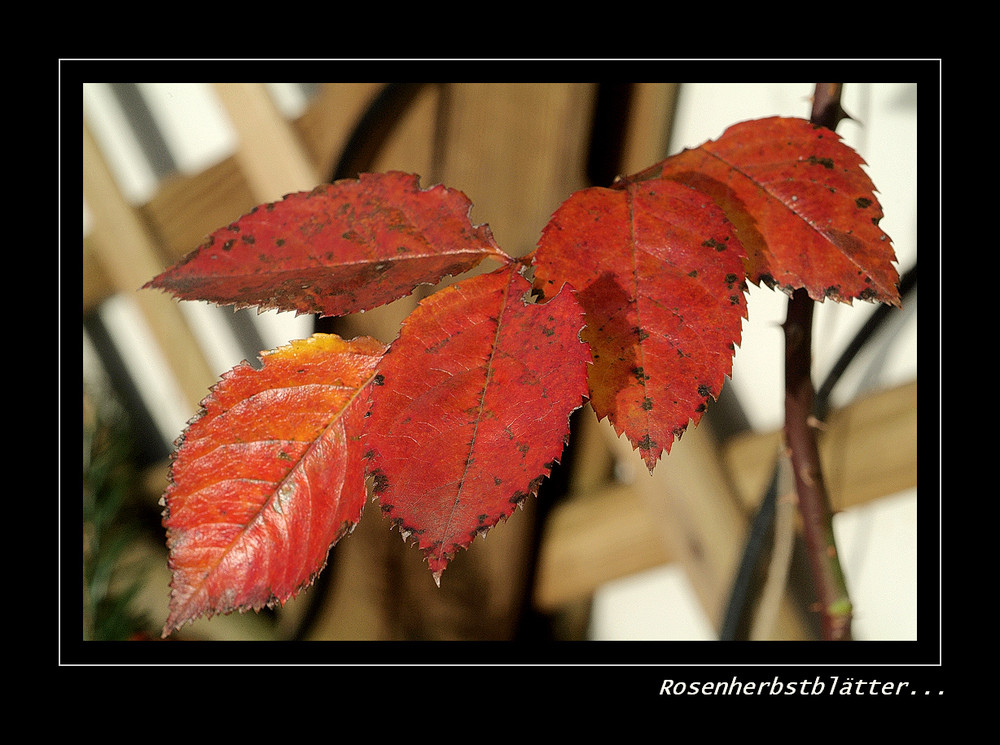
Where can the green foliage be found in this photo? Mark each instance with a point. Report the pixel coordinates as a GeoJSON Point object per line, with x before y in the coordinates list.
{"type": "Point", "coordinates": [111, 578]}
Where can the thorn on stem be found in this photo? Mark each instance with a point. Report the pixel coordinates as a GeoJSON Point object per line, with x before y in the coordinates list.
{"type": "Point", "coordinates": [808, 476]}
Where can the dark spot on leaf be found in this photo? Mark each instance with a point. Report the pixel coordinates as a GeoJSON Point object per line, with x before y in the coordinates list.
{"type": "Point", "coordinates": [734, 299]}
{"type": "Point", "coordinates": [640, 374]}
{"type": "Point", "coordinates": [868, 294]}
{"type": "Point", "coordinates": [645, 443]}
{"type": "Point", "coordinates": [730, 278]}
{"type": "Point", "coordinates": [642, 334]}
{"type": "Point", "coordinates": [862, 203]}
{"type": "Point", "coordinates": [704, 391]}
{"type": "Point", "coordinates": [379, 379]}
{"type": "Point", "coordinates": [248, 239]}
{"type": "Point", "coordinates": [379, 482]}
{"type": "Point", "coordinates": [497, 480]}
{"type": "Point", "coordinates": [712, 243]}
{"type": "Point", "coordinates": [228, 244]}
{"type": "Point", "coordinates": [548, 332]}
{"type": "Point", "coordinates": [647, 404]}
{"type": "Point", "coordinates": [693, 273]}
{"type": "Point", "coordinates": [825, 162]}
{"type": "Point", "coordinates": [279, 242]}
{"type": "Point", "coordinates": [519, 497]}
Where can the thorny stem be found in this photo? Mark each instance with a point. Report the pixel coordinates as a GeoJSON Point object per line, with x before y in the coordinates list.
{"type": "Point", "coordinates": [800, 437]}
{"type": "Point", "coordinates": [814, 504]}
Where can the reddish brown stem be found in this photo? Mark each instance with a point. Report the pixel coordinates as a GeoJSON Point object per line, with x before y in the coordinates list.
{"type": "Point", "coordinates": [814, 503]}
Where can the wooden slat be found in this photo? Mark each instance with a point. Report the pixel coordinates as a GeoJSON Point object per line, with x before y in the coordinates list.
{"type": "Point", "coordinates": [692, 502]}
{"type": "Point", "coordinates": [593, 539]}
{"type": "Point", "coordinates": [328, 121]}
{"type": "Point", "coordinates": [186, 208]}
{"type": "Point", "coordinates": [96, 286]}
{"type": "Point", "coordinates": [697, 504]}
{"type": "Point", "coordinates": [128, 258]}
{"type": "Point", "coordinates": [271, 155]}
{"type": "Point", "coordinates": [868, 450]}
{"type": "Point", "coordinates": [518, 151]}
{"type": "Point", "coordinates": [647, 136]}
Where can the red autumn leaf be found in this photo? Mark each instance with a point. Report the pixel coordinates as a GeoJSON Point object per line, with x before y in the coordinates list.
{"type": "Point", "coordinates": [804, 208]}
{"type": "Point", "coordinates": [659, 273]}
{"type": "Point", "coordinates": [471, 409]}
{"type": "Point", "coordinates": [340, 248]}
{"type": "Point", "coordinates": [268, 477]}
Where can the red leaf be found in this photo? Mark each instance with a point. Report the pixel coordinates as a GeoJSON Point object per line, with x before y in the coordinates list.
{"type": "Point", "coordinates": [340, 248]}
{"type": "Point", "coordinates": [803, 206]}
{"type": "Point", "coordinates": [659, 273]}
{"type": "Point", "coordinates": [473, 408]}
{"type": "Point", "coordinates": [268, 477]}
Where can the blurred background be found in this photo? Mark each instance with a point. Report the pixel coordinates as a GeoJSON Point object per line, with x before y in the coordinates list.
{"type": "Point", "coordinates": [606, 552]}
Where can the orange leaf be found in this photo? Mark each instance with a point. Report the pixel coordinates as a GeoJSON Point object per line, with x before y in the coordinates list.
{"type": "Point", "coordinates": [268, 477]}
{"type": "Point", "coordinates": [472, 408]}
